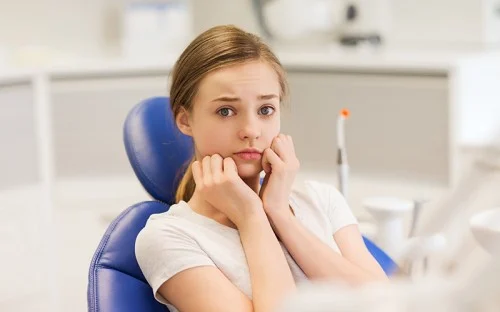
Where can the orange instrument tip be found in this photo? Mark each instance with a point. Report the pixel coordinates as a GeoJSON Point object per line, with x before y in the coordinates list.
{"type": "Point", "coordinates": [345, 113]}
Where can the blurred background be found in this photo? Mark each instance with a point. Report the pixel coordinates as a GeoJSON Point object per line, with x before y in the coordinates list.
{"type": "Point", "coordinates": [420, 78]}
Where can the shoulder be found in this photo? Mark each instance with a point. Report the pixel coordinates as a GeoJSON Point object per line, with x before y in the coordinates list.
{"type": "Point", "coordinates": [322, 194]}
{"type": "Point", "coordinates": [165, 247]}
{"type": "Point", "coordinates": [162, 229]}
{"type": "Point", "coordinates": [327, 200]}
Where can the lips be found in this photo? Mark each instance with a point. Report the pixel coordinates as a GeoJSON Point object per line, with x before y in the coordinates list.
{"type": "Point", "coordinates": [250, 150]}
{"type": "Point", "coordinates": [249, 155]}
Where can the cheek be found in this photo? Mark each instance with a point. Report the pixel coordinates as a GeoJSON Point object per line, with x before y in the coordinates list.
{"type": "Point", "coordinates": [213, 141]}
{"type": "Point", "coordinates": [271, 133]}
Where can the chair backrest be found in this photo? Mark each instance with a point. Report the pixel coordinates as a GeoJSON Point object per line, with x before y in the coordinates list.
{"type": "Point", "coordinates": [157, 152]}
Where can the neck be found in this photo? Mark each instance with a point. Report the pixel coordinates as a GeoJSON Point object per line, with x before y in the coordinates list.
{"type": "Point", "coordinates": [204, 208]}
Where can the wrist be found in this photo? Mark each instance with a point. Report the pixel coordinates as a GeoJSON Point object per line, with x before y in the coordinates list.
{"type": "Point", "coordinates": [252, 217]}
{"type": "Point", "coordinates": [280, 217]}
{"type": "Point", "coordinates": [278, 210]}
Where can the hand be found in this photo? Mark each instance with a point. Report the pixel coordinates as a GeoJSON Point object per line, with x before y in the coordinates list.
{"type": "Point", "coordinates": [280, 165]}
{"type": "Point", "coordinates": [218, 183]}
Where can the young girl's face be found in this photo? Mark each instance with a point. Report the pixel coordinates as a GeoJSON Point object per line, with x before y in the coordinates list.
{"type": "Point", "coordinates": [237, 108]}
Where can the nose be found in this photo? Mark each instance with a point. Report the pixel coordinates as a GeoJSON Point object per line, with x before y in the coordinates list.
{"type": "Point", "coordinates": [250, 129]}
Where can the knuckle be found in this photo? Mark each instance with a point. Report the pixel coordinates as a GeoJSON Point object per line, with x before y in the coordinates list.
{"type": "Point", "coordinates": [208, 183]}
{"type": "Point", "coordinates": [229, 179]}
{"type": "Point", "coordinates": [226, 180]}
{"type": "Point", "coordinates": [216, 180]}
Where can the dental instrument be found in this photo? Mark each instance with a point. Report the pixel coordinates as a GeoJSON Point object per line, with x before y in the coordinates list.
{"type": "Point", "coordinates": [343, 165]}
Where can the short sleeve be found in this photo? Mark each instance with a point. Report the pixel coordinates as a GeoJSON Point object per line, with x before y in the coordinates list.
{"type": "Point", "coordinates": [163, 250]}
{"type": "Point", "coordinates": [333, 204]}
{"type": "Point", "coordinates": [338, 210]}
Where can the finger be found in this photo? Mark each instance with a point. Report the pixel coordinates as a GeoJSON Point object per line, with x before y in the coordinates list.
{"type": "Point", "coordinates": [279, 146]}
{"type": "Point", "coordinates": [265, 163]}
{"type": "Point", "coordinates": [197, 173]}
{"type": "Point", "coordinates": [207, 171]}
{"type": "Point", "coordinates": [272, 158]}
{"type": "Point", "coordinates": [216, 167]}
{"type": "Point", "coordinates": [229, 167]}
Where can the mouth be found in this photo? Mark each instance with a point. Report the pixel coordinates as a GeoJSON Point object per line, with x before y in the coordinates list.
{"type": "Point", "coordinates": [249, 155]}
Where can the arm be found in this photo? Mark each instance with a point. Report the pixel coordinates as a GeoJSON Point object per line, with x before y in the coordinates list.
{"type": "Point", "coordinates": [270, 274]}
{"type": "Point", "coordinates": [204, 288]}
{"type": "Point", "coordinates": [319, 261]}
{"type": "Point", "coordinates": [218, 183]}
{"type": "Point", "coordinates": [208, 289]}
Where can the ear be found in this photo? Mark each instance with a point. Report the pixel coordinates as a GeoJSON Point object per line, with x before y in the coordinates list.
{"type": "Point", "coordinates": [183, 122]}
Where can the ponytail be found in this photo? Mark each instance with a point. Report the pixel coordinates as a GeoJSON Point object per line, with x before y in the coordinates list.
{"type": "Point", "coordinates": [186, 187]}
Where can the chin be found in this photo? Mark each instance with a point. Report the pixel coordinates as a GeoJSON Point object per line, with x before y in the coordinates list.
{"type": "Point", "coordinates": [249, 170]}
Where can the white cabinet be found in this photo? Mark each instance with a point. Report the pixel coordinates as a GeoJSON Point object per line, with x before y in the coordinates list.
{"type": "Point", "coordinates": [88, 115]}
{"type": "Point", "coordinates": [399, 126]}
{"type": "Point", "coordinates": [18, 156]}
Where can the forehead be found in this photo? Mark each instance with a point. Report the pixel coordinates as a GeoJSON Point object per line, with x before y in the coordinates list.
{"type": "Point", "coordinates": [249, 77]}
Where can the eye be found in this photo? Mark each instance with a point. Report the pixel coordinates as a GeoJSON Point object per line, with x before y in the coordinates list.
{"type": "Point", "coordinates": [225, 112]}
{"type": "Point", "coordinates": [267, 110]}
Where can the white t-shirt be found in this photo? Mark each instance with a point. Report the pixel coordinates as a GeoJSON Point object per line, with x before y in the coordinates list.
{"type": "Point", "coordinates": [180, 238]}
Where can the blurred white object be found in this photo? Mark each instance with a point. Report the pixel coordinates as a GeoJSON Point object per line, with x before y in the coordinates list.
{"type": "Point", "coordinates": [153, 29]}
{"type": "Point", "coordinates": [389, 214]}
{"type": "Point", "coordinates": [478, 292]}
{"type": "Point", "coordinates": [485, 227]}
{"type": "Point", "coordinates": [371, 17]}
{"type": "Point", "coordinates": [301, 20]}
{"type": "Point", "coordinates": [417, 248]}
{"type": "Point", "coordinates": [448, 23]}
{"type": "Point", "coordinates": [296, 19]}
{"type": "Point", "coordinates": [396, 296]}
{"type": "Point", "coordinates": [458, 293]}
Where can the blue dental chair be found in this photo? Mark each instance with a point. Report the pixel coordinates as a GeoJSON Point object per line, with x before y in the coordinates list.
{"type": "Point", "coordinates": [156, 150]}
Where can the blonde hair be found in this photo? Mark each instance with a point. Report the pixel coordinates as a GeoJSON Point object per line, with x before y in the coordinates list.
{"type": "Point", "coordinates": [216, 48]}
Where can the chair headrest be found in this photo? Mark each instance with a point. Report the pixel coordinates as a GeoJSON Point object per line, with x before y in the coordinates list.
{"type": "Point", "coordinates": [156, 149]}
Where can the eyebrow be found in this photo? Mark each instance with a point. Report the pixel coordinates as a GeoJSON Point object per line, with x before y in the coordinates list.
{"type": "Point", "coordinates": [236, 99]}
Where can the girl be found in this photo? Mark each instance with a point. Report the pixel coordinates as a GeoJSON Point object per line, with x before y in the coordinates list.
{"type": "Point", "coordinates": [230, 244]}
